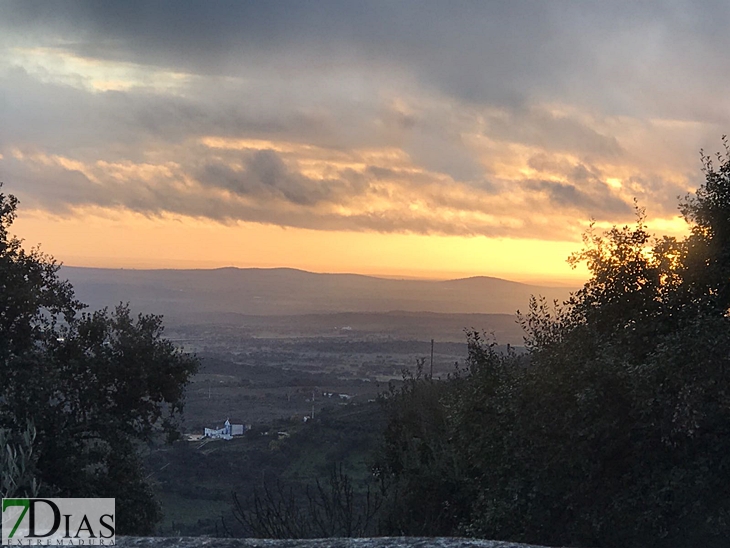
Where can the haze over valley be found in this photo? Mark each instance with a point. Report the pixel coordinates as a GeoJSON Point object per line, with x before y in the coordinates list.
{"type": "Point", "coordinates": [210, 294]}
{"type": "Point", "coordinates": [260, 330]}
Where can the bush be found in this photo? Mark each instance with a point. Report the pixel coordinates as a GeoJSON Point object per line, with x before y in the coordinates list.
{"type": "Point", "coordinates": [18, 464]}
{"type": "Point", "coordinates": [94, 385]}
{"type": "Point", "coordinates": [614, 430]}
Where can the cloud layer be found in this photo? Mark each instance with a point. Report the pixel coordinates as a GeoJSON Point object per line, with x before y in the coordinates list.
{"type": "Point", "coordinates": [520, 119]}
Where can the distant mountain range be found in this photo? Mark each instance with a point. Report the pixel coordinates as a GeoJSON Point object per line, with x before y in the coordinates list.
{"type": "Point", "coordinates": [204, 294]}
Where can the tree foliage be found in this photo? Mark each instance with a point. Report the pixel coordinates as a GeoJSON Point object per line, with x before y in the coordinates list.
{"type": "Point", "coordinates": [330, 507]}
{"type": "Point", "coordinates": [425, 498]}
{"type": "Point", "coordinates": [17, 462]}
{"type": "Point", "coordinates": [614, 429]}
{"type": "Point", "coordinates": [94, 385]}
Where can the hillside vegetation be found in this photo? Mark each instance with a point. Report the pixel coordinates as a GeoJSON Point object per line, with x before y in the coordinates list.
{"type": "Point", "coordinates": [614, 430]}
{"type": "Point", "coordinates": [80, 392]}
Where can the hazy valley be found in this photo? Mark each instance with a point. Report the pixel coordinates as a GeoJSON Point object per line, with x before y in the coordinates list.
{"type": "Point", "coordinates": [268, 338]}
{"type": "Point", "coordinates": [278, 344]}
{"type": "Point", "coordinates": [211, 295]}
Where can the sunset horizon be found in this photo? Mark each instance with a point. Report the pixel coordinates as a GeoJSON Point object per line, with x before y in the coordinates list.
{"type": "Point", "coordinates": [452, 260]}
{"type": "Point", "coordinates": [365, 273]}
{"type": "Point", "coordinates": [382, 140]}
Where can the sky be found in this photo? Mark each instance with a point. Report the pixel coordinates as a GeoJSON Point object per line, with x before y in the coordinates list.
{"type": "Point", "coordinates": [414, 139]}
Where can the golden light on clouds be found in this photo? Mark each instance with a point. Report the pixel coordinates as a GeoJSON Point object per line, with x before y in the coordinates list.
{"type": "Point", "coordinates": [518, 203]}
{"type": "Point", "coordinates": [125, 240]}
{"type": "Point", "coordinates": [226, 142]}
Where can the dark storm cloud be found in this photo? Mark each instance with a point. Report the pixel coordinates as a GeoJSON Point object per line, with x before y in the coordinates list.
{"type": "Point", "coordinates": [584, 190]}
{"type": "Point", "coordinates": [450, 89]}
{"type": "Point", "coordinates": [441, 42]}
{"type": "Point", "coordinates": [266, 176]}
{"type": "Point", "coordinates": [64, 117]}
{"type": "Point", "coordinates": [598, 203]}
{"type": "Point", "coordinates": [621, 55]}
{"type": "Point", "coordinates": [551, 132]}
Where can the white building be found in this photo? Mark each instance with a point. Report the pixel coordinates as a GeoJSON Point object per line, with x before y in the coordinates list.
{"type": "Point", "coordinates": [226, 433]}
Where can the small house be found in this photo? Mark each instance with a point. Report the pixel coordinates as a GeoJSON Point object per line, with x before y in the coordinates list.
{"type": "Point", "coordinates": [226, 433]}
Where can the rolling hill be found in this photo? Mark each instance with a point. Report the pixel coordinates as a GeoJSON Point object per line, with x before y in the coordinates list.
{"type": "Point", "coordinates": [282, 291]}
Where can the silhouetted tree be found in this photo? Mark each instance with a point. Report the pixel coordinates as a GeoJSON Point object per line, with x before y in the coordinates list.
{"type": "Point", "coordinates": [94, 385]}
{"type": "Point", "coordinates": [329, 508]}
{"type": "Point", "coordinates": [615, 429]}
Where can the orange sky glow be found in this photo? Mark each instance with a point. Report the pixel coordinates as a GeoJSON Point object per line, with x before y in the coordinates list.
{"type": "Point", "coordinates": [308, 146]}
{"type": "Point", "coordinates": [113, 240]}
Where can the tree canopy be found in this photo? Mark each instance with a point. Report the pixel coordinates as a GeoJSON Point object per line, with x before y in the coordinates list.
{"type": "Point", "coordinates": [92, 385]}
{"type": "Point", "coordinates": [614, 428]}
